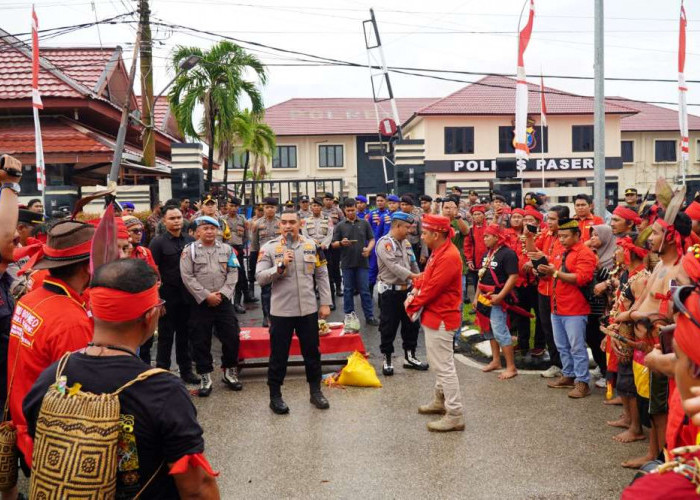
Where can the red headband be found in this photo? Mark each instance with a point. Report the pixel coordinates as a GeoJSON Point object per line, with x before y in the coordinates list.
{"type": "Point", "coordinates": [627, 214]}
{"type": "Point", "coordinates": [117, 306]}
{"type": "Point", "coordinates": [628, 246]}
{"type": "Point", "coordinates": [438, 223]}
{"type": "Point", "coordinates": [687, 335]}
{"type": "Point", "coordinates": [122, 231]}
{"type": "Point", "coordinates": [477, 208]}
{"type": "Point", "coordinates": [518, 211]}
{"type": "Point", "coordinates": [673, 235]}
{"type": "Point", "coordinates": [530, 210]}
{"type": "Point", "coordinates": [497, 231]}
{"type": "Point", "coordinates": [37, 252]}
{"type": "Point", "coordinates": [693, 211]}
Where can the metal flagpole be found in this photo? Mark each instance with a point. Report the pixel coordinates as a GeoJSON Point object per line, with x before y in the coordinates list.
{"type": "Point", "coordinates": [36, 106]}
{"type": "Point", "coordinates": [543, 119]}
{"type": "Point", "coordinates": [599, 113]}
{"type": "Point", "coordinates": [682, 91]}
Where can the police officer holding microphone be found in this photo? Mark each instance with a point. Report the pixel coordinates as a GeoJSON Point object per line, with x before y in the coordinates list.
{"type": "Point", "coordinates": [289, 263]}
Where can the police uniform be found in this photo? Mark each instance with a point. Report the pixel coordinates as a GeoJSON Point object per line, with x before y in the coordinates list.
{"type": "Point", "coordinates": [294, 309]}
{"type": "Point", "coordinates": [396, 262]}
{"type": "Point", "coordinates": [207, 269]}
{"type": "Point", "coordinates": [380, 222]}
{"type": "Point", "coordinates": [304, 214]}
{"type": "Point", "coordinates": [264, 230]}
{"type": "Point", "coordinates": [335, 215]}
{"type": "Point", "coordinates": [239, 237]}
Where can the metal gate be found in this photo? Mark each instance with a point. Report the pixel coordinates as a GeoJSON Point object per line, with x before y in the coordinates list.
{"type": "Point", "coordinates": [252, 192]}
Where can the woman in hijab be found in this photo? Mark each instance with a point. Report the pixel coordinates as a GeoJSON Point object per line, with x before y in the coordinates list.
{"type": "Point", "coordinates": [603, 243]}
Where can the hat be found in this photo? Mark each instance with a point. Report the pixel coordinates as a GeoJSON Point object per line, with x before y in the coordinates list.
{"type": "Point", "coordinates": [693, 211]}
{"type": "Point", "coordinates": [402, 216]}
{"type": "Point", "coordinates": [499, 197]}
{"type": "Point", "coordinates": [477, 208]}
{"type": "Point", "coordinates": [541, 192]}
{"type": "Point", "coordinates": [303, 198]}
{"type": "Point", "coordinates": [518, 211]}
{"type": "Point", "coordinates": [627, 214]}
{"type": "Point", "coordinates": [328, 195]}
{"type": "Point", "coordinates": [68, 242]}
{"type": "Point", "coordinates": [566, 223]}
{"type": "Point", "coordinates": [456, 188]}
{"type": "Point", "coordinates": [473, 192]}
{"type": "Point", "coordinates": [28, 217]}
{"type": "Point", "coordinates": [128, 204]}
{"type": "Point", "coordinates": [530, 210]}
{"type": "Point", "coordinates": [289, 203]}
{"type": "Point", "coordinates": [235, 201]}
{"type": "Point", "coordinates": [317, 201]}
{"type": "Point", "coordinates": [122, 231]}
{"type": "Point", "coordinates": [407, 198]}
{"type": "Point", "coordinates": [438, 223]}
{"type": "Point", "coordinates": [130, 221]}
{"type": "Point", "coordinates": [392, 197]}
{"type": "Point", "coordinates": [208, 198]}
{"type": "Point", "coordinates": [360, 198]}
{"type": "Point", "coordinates": [270, 201]}
{"type": "Point", "coordinates": [631, 191]}
{"type": "Point", "coordinates": [205, 219]}
{"type": "Point", "coordinates": [425, 197]}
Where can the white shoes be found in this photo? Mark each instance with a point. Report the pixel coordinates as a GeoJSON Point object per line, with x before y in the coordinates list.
{"type": "Point", "coordinates": [352, 322]}
{"type": "Point", "coordinates": [552, 372]}
{"type": "Point", "coordinates": [601, 383]}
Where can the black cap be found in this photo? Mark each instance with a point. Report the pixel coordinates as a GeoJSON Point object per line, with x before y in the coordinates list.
{"type": "Point", "coordinates": [28, 217]}
{"type": "Point", "coordinates": [317, 201]}
{"type": "Point", "coordinates": [235, 201]}
{"type": "Point", "coordinates": [631, 191]}
{"type": "Point", "coordinates": [328, 195]}
{"type": "Point", "coordinates": [303, 198]}
{"type": "Point", "coordinates": [289, 203]}
{"type": "Point", "coordinates": [473, 192]}
{"type": "Point", "coordinates": [425, 197]}
{"type": "Point", "coordinates": [208, 198]}
{"type": "Point", "coordinates": [456, 188]}
{"type": "Point", "coordinates": [270, 201]}
{"type": "Point", "coordinates": [407, 198]}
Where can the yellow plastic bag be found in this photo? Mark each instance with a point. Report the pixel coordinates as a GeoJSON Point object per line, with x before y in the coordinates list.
{"type": "Point", "coordinates": [358, 372]}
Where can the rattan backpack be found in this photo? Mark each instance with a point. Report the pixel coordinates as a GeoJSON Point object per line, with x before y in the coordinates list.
{"type": "Point", "coordinates": [75, 444]}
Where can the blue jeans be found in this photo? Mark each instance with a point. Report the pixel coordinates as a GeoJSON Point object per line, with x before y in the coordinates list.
{"type": "Point", "coordinates": [356, 278]}
{"type": "Point", "coordinates": [570, 339]}
{"type": "Point", "coordinates": [499, 326]}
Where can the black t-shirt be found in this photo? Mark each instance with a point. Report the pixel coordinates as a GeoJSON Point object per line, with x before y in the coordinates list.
{"type": "Point", "coordinates": [166, 250]}
{"type": "Point", "coordinates": [503, 264]}
{"type": "Point", "coordinates": [360, 230]}
{"type": "Point", "coordinates": [159, 421]}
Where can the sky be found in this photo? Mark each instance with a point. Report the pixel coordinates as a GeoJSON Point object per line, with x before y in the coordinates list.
{"type": "Point", "coordinates": [641, 40]}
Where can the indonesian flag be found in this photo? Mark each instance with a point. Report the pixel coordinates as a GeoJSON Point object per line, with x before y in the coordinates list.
{"type": "Point", "coordinates": [37, 105]}
{"type": "Point", "coordinates": [543, 104]}
{"type": "Point", "coordinates": [521, 104]}
{"type": "Point", "coordinates": [682, 87]}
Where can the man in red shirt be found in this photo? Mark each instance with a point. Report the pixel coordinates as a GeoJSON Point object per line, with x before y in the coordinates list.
{"type": "Point", "coordinates": [437, 299]}
{"type": "Point", "coordinates": [624, 221]}
{"type": "Point", "coordinates": [583, 205]}
{"type": "Point", "coordinates": [570, 272]}
{"type": "Point", "coordinates": [51, 320]}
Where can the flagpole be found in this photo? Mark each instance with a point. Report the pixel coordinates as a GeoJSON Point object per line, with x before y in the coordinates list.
{"type": "Point", "coordinates": [682, 97]}
{"type": "Point", "coordinates": [36, 106]}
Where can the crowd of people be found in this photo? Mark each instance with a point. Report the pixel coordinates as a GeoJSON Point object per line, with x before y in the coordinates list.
{"type": "Point", "coordinates": [543, 282]}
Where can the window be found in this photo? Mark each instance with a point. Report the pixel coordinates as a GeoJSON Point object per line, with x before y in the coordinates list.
{"type": "Point", "coordinates": [330, 156]}
{"type": "Point", "coordinates": [459, 140]}
{"type": "Point", "coordinates": [664, 151]}
{"type": "Point", "coordinates": [506, 135]}
{"type": "Point", "coordinates": [627, 151]}
{"type": "Point", "coordinates": [285, 157]}
{"type": "Point", "coordinates": [237, 160]}
{"type": "Point", "coordinates": [28, 181]}
{"type": "Point", "coordinates": [582, 138]}
{"type": "Point", "coordinates": [377, 149]}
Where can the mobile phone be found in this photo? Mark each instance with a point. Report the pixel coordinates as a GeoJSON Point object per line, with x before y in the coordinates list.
{"type": "Point", "coordinates": [532, 228]}
{"type": "Point", "coordinates": [666, 338]}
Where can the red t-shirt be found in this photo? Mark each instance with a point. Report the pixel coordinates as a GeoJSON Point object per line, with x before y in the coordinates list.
{"type": "Point", "coordinates": [586, 224]}
{"type": "Point", "coordinates": [47, 323]}
{"type": "Point", "coordinates": [440, 293]}
{"type": "Point", "coordinates": [567, 299]}
{"type": "Point", "coordinates": [549, 245]}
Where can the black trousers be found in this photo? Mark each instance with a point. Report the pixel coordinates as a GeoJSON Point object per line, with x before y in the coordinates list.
{"type": "Point", "coordinates": [174, 326]}
{"type": "Point", "coordinates": [265, 299]}
{"type": "Point", "coordinates": [527, 299]}
{"type": "Point", "coordinates": [593, 338]}
{"type": "Point", "coordinates": [392, 315]}
{"type": "Point", "coordinates": [242, 283]}
{"type": "Point", "coordinates": [333, 258]}
{"type": "Point", "coordinates": [545, 313]}
{"type": "Point", "coordinates": [252, 264]}
{"type": "Point", "coordinates": [204, 321]}
{"type": "Point", "coordinates": [281, 330]}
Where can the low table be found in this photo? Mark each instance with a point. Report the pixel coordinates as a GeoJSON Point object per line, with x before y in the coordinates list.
{"type": "Point", "coordinates": [255, 344]}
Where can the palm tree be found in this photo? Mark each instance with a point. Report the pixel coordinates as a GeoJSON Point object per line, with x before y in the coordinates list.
{"type": "Point", "coordinates": [217, 84]}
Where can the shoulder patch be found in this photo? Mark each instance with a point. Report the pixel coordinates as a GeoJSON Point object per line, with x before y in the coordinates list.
{"type": "Point", "coordinates": [261, 255]}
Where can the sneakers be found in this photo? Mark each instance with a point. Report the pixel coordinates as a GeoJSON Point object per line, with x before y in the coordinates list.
{"type": "Point", "coordinates": [551, 372]}
{"type": "Point", "coordinates": [388, 368]}
{"type": "Point", "coordinates": [435, 407]}
{"type": "Point", "coordinates": [413, 363]}
{"type": "Point", "coordinates": [561, 383]}
{"type": "Point", "coordinates": [372, 321]}
{"type": "Point", "coordinates": [447, 423]}
{"type": "Point", "coordinates": [204, 385]}
{"type": "Point", "coordinates": [596, 373]}
{"type": "Point", "coordinates": [352, 322]}
{"type": "Point", "coordinates": [580, 390]}
{"type": "Point", "coordinates": [601, 383]}
{"type": "Point", "coordinates": [230, 378]}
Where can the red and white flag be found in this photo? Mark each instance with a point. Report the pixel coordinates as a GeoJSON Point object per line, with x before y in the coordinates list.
{"type": "Point", "coordinates": [543, 104]}
{"type": "Point", "coordinates": [521, 104]}
{"type": "Point", "coordinates": [37, 105]}
{"type": "Point", "coordinates": [682, 87]}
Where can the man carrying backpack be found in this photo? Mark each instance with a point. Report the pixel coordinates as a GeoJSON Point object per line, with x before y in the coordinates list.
{"type": "Point", "coordinates": [159, 444]}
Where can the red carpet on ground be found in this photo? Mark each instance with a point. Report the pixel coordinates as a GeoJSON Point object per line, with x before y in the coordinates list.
{"type": "Point", "coordinates": [255, 343]}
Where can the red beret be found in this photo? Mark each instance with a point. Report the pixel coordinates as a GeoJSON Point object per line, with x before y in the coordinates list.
{"type": "Point", "coordinates": [530, 210]}
{"type": "Point", "coordinates": [627, 214]}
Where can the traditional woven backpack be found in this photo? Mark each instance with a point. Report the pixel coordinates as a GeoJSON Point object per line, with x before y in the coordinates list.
{"type": "Point", "coordinates": [75, 444]}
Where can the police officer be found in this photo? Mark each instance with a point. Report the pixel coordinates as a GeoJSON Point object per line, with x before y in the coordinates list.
{"type": "Point", "coordinates": [258, 212]}
{"type": "Point", "coordinates": [289, 265]}
{"type": "Point", "coordinates": [406, 205]}
{"type": "Point", "coordinates": [239, 236]}
{"type": "Point", "coordinates": [209, 271]}
{"type": "Point", "coordinates": [209, 208]}
{"type": "Point", "coordinates": [320, 229]}
{"type": "Point", "coordinates": [304, 212]}
{"type": "Point", "coordinates": [335, 214]}
{"type": "Point", "coordinates": [379, 220]}
{"type": "Point", "coordinates": [397, 266]}
{"type": "Point", "coordinates": [265, 229]}
{"type": "Point", "coordinates": [362, 212]}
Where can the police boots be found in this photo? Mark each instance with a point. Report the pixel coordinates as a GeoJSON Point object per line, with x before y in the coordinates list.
{"type": "Point", "coordinates": [237, 303]}
{"type": "Point", "coordinates": [388, 368]}
{"type": "Point", "coordinates": [317, 398]}
{"type": "Point", "coordinates": [204, 385]}
{"type": "Point", "coordinates": [230, 378]}
{"type": "Point", "coordinates": [277, 404]}
{"type": "Point", "coordinates": [413, 363]}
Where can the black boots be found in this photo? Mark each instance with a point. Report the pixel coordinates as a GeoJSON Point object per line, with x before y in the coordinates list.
{"type": "Point", "coordinates": [318, 399]}
{"type": "Point", "coordinates": [277, 404]}
{"type": "Point", "coordinates": [410, 361]}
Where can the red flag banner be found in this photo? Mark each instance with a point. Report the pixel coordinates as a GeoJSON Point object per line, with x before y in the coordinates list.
{"type": "Point", "coordinates": [104, 241]}
{"type": "Point", "coordinates": [37, 105]}
{"type": "Point", "coordinates": [521, 103]}
{"type": "Point", "coordinates": [682, 87]}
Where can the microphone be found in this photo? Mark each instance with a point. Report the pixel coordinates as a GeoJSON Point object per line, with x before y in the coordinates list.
{"type": "Point", "coordinates": [290, 239]}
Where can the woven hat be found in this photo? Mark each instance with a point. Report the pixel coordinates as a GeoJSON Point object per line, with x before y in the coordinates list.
{"type": "Point", "coordinates": [68, 242]}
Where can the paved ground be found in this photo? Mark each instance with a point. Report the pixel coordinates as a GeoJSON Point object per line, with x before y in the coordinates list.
{"type": "Point", "coordinates": [522, 439]}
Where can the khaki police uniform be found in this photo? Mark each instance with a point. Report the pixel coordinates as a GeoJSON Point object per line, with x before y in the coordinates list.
{"type": "Point", "coordinates": [396, 262]}
{"type": "Point", "coordinates": [204, 270]}
{"type": "Point", "coordinates": [264, 230]}
{"type": "Point", "coordinates": [304, 214]}
{"type": "Point", "coordinates": [239, 237]}
{"type": "Point", "coordinates": [294, 307]}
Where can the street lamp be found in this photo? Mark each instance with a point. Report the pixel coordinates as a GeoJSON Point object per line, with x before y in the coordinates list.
{"type": "Point", "coordinates": [185, 65]}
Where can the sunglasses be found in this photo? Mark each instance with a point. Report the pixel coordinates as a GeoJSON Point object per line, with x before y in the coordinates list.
{"type": "Point", "coordinates": [680, 296]}
{"type": "Point", "coordinates": [136, 231]}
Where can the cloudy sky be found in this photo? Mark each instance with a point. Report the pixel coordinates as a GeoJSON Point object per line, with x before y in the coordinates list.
{"type": "Point", "coordinates": [461, 35]}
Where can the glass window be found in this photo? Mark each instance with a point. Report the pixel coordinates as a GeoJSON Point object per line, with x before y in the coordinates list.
{"type": "Point", "coordinates": [285, 157]}
{"type": "Point", "coordinates": [582, 138]}
{"type": "Point", "coordinates": [627, 151]}
{"type": "Point", "coordinates": [664, 151]}
{"type": "Point", "coordinates": [330, 156]}
{"type": "Point", "coordinates": [459, 140]}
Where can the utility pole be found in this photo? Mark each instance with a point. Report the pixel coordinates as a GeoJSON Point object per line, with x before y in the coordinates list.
{"type": "Point", "coordinates": [147, 104]}
{"type": "Point", "coordinates": [599, 113]}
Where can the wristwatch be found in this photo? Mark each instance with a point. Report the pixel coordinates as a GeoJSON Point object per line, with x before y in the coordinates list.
{"type": "Point", "coordinates": [11, 185]}
{"type": "Point", "coordinates": [281, 266]}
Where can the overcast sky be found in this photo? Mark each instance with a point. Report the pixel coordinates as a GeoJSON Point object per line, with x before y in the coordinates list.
{"type": "Point", "coordinates": [641, 40]}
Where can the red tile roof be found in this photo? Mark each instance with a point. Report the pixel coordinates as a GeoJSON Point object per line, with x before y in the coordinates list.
{"type": "Point", "coordinates": [58, 136]}
{"type": "Point", "coordinates": [334, 116]}
{"type": "Point", "coordinates": [653, 118]}
{"type": "Point", "coordinates": [84, 65]}
{"type": "Point", "coordinates": [495, 95]}
{"type": "Point", "coordinates": [160, 111]}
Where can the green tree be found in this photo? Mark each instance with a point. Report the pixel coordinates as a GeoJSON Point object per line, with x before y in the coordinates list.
{"type": "Point", "coordinates": [257, 141]}
{"type": "Point", "coordinates": [217, 84]}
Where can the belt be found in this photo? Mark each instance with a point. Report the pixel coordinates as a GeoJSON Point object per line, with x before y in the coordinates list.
{"type": "Point", "coordinates": [395, 288]}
